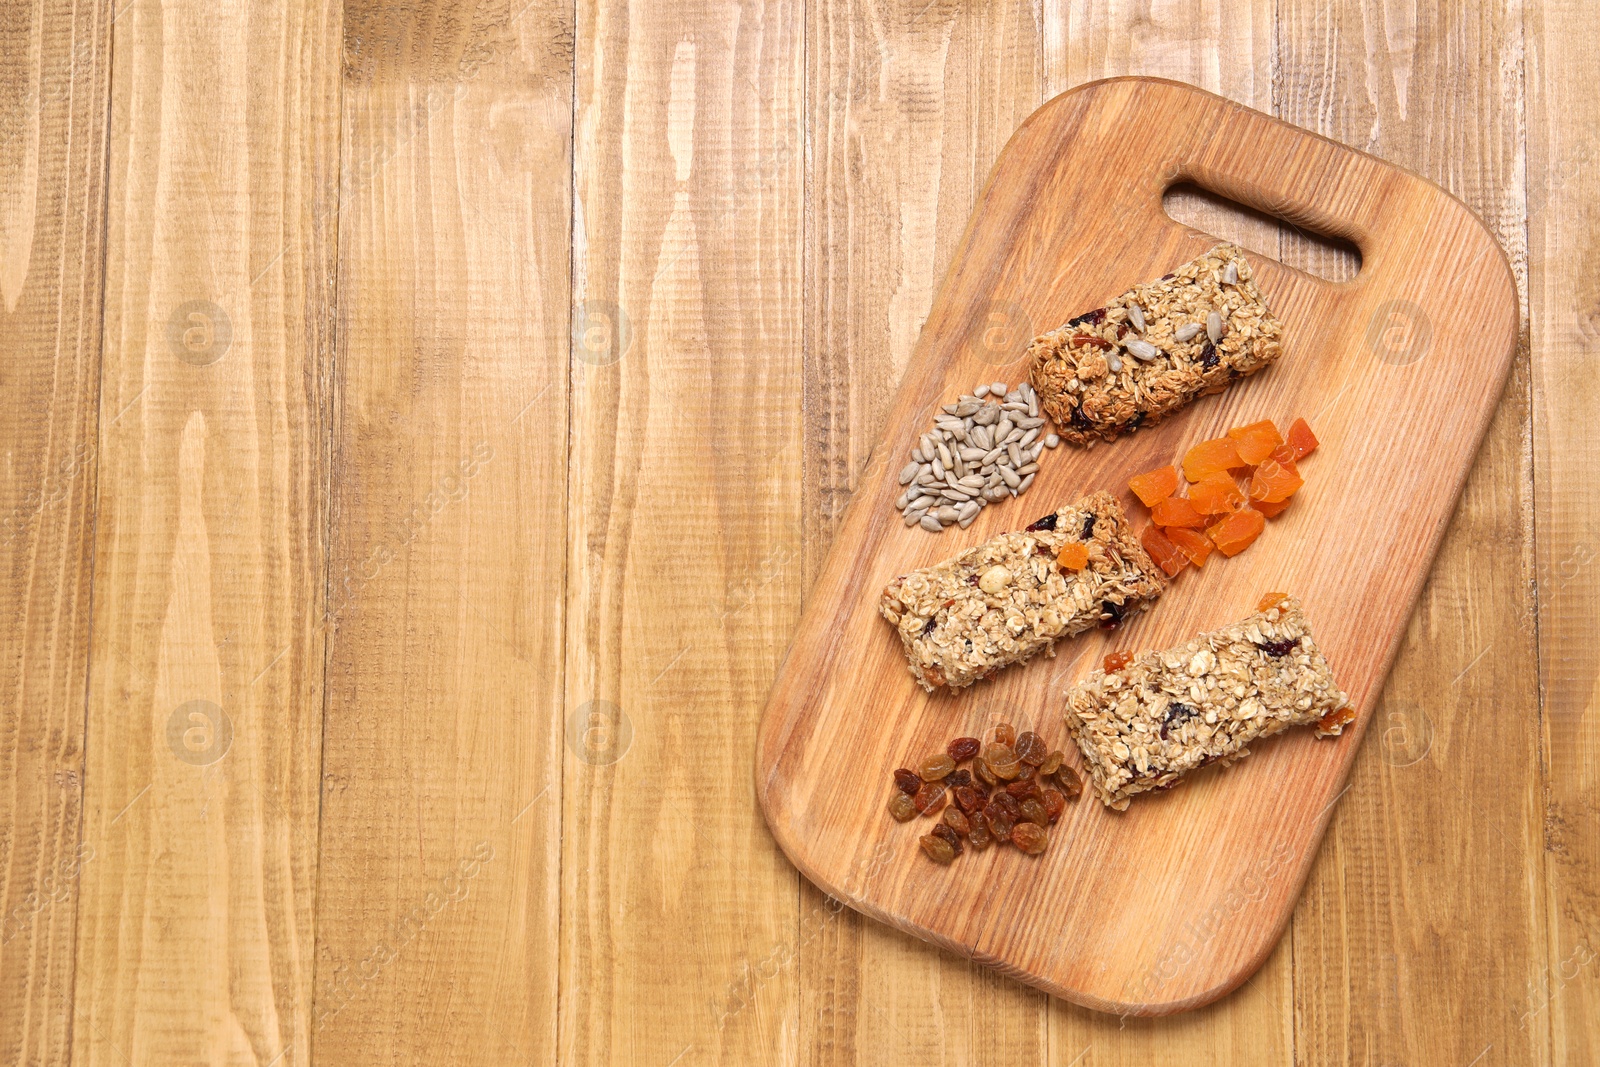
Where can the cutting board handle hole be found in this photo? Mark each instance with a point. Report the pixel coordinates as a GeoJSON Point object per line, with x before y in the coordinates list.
{"type": "Point", "coordinates": [1325, 256]}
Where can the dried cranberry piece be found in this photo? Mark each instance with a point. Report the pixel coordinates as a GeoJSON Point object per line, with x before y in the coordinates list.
{"type": "Point", "coordinates": [1047, 522]}
{"type": "Point", "coordinates": [928, 627]}
{"type": "Point", "coordinates": [1208, 355]}
{"type": "Point", "coordinates": [1112, 615]}
{"type": "Point", "coordinates": [1279, 648]}
{"type": "Point", "coordinates": [1176, 715]}
{"type": "Point", "coordinates": [1088, 527]}
{"type": "Point", "coordinates": [1079, 419]}
{"type": "Point", "coordinates": [1093, 318]}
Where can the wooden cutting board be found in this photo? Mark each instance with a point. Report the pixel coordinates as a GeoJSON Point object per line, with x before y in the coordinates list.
{"type": "Point", "coordinates": [1178, 900]}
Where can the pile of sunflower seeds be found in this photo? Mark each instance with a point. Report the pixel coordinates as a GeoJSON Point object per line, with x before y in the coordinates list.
{"type": "Point", "coordinates": [983, 448]}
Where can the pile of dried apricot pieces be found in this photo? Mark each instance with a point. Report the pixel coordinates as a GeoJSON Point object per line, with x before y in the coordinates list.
{"type": "Point", "coordinates": [1235, 484]}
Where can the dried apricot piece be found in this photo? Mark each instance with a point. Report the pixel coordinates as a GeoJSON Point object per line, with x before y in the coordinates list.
{"type": "Point", "coordinates": [1216, 494]}
{"type": "Point", "coordinates": [1074, 556]}
{"type": "Point", "coordinates": [1235, 533]}
{"type": "Point", "coordinates": [1163, 551]}
{"type": "Point", "coordinates": [1211, 457]}
{"type": "Point", "coordinates": [1275, 482]}
{"type": "Point", "coordinates": [1271, 600]}
{"type": "Point", "coordinates": [1303, 441]}
{"type": "Point", "coordinates": [1272, 510]}
{"type": "Point", "coordinates": [1192, 543]}
{"type": "Point", "coordinates": [1114, 662]}
{"type": "Point", "coordinates": [1256, 441]}
{"type": "Point", "coordinates": [1155, 485]}
{"type": "Point", "coordinates": [1176, 511]}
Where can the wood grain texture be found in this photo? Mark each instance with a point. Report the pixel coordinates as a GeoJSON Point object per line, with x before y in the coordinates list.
{"type": "Point", "coordinates": [205, 699]}
{"type": "Point", "coordinates": [1029, 244]}
{"type": "Point", "coordinates": [54, 80]}
{"type": "Point", "coordinates": [679, 915]}
{"type": "Point", "coordinates": [1563, 996]}
{"type": "Point", "coordinates": [909, 103]}
{"type": "Point", "coordinates": [1230, 50]}
{"type": "Point", "coordinates": [437, 920]}
{"type": "Point", "coordinates": [1457, 727]}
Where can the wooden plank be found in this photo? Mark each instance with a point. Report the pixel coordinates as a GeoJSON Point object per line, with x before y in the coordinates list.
{"type": "Point", "coordinates": [205, 697]}
{"type": "Point", "coordinates": [437, 920]}
{"type": "Point", "coordinates": [55, 64]}
{"type": "Point", "coordinates": [909, 104]}
{"type": "Point", "coordinates": [679, 921]}
{"type": "Point", "coordinates": [1440, 829]}
{"type": "Point", "coordinates": [1228, 49]}
{"type": "Point", "coordinates": [1563, 107]}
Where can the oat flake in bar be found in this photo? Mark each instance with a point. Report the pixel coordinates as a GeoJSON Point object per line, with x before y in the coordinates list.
{"type": "Point", "coordinates": [1002, 601]}
{"type": "Point", "coordinates": [1166, 713]}
{"type": "Point", "coordinates": [1154, 349]}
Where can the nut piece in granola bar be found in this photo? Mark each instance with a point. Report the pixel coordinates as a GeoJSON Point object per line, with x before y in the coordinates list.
{"type": "Point", "coordinates": [1167, 713]}
{"type": "Point", "coordinates": [1007, 599]}
{"type": "Point", "coordinates": [1155, 348]}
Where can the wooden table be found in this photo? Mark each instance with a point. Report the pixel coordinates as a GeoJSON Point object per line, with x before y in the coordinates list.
{"type": "Point", "coordinates": [422, 424]}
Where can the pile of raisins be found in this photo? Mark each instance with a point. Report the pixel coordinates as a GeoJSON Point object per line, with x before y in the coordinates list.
{"type": "Point", "coordinates": [1005, 796]}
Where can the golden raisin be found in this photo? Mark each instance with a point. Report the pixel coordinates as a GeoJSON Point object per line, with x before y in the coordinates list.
{"type": "Point", "coordinates": [1030, 837]}
{"type": "Point", "coordinates": [902, 807]}
{"type": "Point", "coordinates": [1005, 734]}
{"type": "Point", "coordinates": [930, 798]}
{"type": "Point", "coordinates": [1051, 764]}
{"type": "Point", "coordinates": [936, 767]}
{"type": "Point", "coordinates": [956, 819]}
{"type": "Point", "coordinates": [937, 849]}
{"type": "Point", "coordinates": [1071, 784]}
{"type": "Point", "coordinates": [1033, 810]}
{"type": "Point", "coordinates": [979, 836]}
{"type": "Point", "coordinates": [1054, 804]}
{"type": "Point", "coordinates": [944, 831]}
{"type": "Point", "coordinates": [1031, 748]}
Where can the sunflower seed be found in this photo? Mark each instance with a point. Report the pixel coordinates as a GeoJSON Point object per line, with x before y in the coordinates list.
{"type": "Point", "coordinates": [1023, 488]}
{"type": "Point", "coordinates": [1142, 349]}
{"type": "Point", "coordinates": [1230, 274]}
{"type": "Point", "coordinates": [1051, 440]}
{"type": "Point", "coordinates": [1186, 332]}
{"type": "Point", "coordinates": [993, 454]}
{"type": "Point", "coordinates": [1029, 438]}
{"type": "Point", "coordinates": [1014, 405]}
{"type": "Point", "coordinates": [947, 514]}
{"type": "Point", "coordinates": [1035, 452]}
{"type": "Point", "coordinates": [938, 468]}
{"type": "Point", "coordinates": [1114, 363]}
{"type": "Point", "coordinates": [968, 406]}
{"type": "Point", "coordinates": [980, 437]}
{"type": "Point", "coordinates": [961, 466]}
{"type": "Point", "coordinates": [973, 481]}
{"type": "Point", "coordinates": [1136, 316]}
{"type": "Point", "coordinates": [949, 409]}
{"type": "Point", "coordinates": [901, 501]}
{"type": "Point", "coordinates": [1028, 424]}
{"type": "Point", "coordinates": [931, 524]}
{"type": "Point", "coordinates": [956, 495]}
{"type": "Point", "coordinates": [1010, 477]}
{"type": "Point", "coordinates": [1015, 453]}
{"type": "Point", "coordinates": [1025, 469]}
{"type": "Point", "coordinates": [1213, 326]}
{"type": "Point", "coordinates": [986, 415]}
{"type": "Point", "coordinates": [1001, 430]}
{"type": "Point", "coordinates": [968, 512]}
{"type": "Point", "coordinates": [998, 387]}
{"type": "Point", "coordinates": [944, 456]}
{"type": "Point", "coordinates": [981, 391]}
{"type": "Point", "coordinates": [907, 473]}
{"type": "Point", "coordinates": [971, 454]}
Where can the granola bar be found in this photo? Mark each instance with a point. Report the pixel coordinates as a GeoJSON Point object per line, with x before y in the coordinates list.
{"type": "Point", "coordinates": [1166, 713]}
{"type": "Point", "coordinates": [1002, 601]}
{"type": "Point", "coordinates": [1154, 349]}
